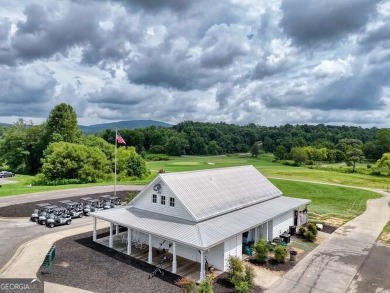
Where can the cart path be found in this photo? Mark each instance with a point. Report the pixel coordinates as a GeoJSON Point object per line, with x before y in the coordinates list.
{"type": "Point", "coordinates": [49, 195]}
{"type": "Point", "coordinates": [333, 266]}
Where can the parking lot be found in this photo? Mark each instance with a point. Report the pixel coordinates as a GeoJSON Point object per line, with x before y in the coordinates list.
{"type": "Point", "coordinates": [16, 231]}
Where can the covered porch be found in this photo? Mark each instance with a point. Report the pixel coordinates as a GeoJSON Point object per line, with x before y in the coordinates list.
{"type": "Point", "coordinates": [149, 250]}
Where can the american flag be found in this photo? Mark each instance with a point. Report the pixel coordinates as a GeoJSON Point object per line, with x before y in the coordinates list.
{"type": "Point", "coordinates": [120, 139]}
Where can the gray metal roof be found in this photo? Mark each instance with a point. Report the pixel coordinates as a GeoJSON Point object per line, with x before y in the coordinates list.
{"type": "Point", "coordinates": [209, 193]}
{"type": "Point", "coordinates": [207, 233]}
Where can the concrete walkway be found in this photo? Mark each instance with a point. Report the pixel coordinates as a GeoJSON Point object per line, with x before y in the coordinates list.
{"type": "Point", "coordinates": [29, 256]}
{"type": "Point", "coordinates": [332, 266]}
{"type": "Point", "coordinates": [57, 288]}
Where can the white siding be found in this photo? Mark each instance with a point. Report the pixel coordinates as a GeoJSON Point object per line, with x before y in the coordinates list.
{"type": "Point", "coordinates": [270, 230]}
{"type": "Point", "coordinates": [262, 231]}
{"type": "Point", "coordinates": [282, 223]}
{"type": "Point", "coordinates": [144, 202]}
{"type": "Point", "coordinates": [232, 247]}
{"type": "Point", "coordinates": [215, 256]}
{"type": "Point", "coordinates": [188, 253]}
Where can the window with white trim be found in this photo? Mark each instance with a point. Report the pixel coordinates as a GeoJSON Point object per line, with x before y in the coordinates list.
{"type": "Point", "coordinates": [172, 202]}
{"type": "Point", "coordinates": [154, 198]}
{"type": "Point", "coordinates": [163, 199]}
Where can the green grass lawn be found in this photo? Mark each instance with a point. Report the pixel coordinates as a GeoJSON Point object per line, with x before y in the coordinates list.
{"type": "Point", "coordinates": [23, 186]}
{"type": "Point", "coordinates": [270, 169]}
{"type": "Point", "coordinates": [333, 203]}
{"type": "Point", "coordinates": [328, 202]}
{"type": "Point", "coordinates": [385, 235]}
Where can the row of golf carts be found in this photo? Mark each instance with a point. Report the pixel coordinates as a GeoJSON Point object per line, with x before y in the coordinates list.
{"type": "Point", "coordinates": [66, 210]}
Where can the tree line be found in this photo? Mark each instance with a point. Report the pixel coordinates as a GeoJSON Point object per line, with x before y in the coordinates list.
{"type": "Point", "coordinates": [61, 153]}
{"type": "Point", "coordinates": [321, 142]}
{"type": "Point", "coordinates": [24, 146]}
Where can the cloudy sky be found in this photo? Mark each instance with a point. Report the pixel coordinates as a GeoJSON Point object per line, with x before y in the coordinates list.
{"type": "Point", "coordinates": [239, 61]}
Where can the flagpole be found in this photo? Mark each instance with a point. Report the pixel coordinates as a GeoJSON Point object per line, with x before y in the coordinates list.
{"type": "Point", "coordinates": [116, 139]}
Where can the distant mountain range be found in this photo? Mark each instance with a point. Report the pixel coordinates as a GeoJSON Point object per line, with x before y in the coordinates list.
{"type": "Point", "coordinates": [131, 124]}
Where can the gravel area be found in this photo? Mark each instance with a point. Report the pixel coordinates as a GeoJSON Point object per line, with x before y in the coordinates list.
{"type": "Point", "coordinates": [81, 263]}
{"type": "Point", "coordinates": [25, 209]}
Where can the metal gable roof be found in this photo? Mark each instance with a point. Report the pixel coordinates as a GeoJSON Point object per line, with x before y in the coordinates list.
{"type": "Point", "coordinates": [205, 234]}
{"type": "Point", "coordinates": [209, 193]}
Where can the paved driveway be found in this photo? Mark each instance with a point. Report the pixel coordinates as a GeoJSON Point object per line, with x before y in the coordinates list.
{"type": "Point", "coordinates": [334, 265]}
{"type": "Point", "coordinates": [374, 274]}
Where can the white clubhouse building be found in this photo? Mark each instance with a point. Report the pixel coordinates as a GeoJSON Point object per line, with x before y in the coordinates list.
{"type": "Point", "coordinates": [207, 213]}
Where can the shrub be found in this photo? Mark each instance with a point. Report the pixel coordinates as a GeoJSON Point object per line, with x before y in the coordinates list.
{"type": "Point", "coordinates": [309, 236]}
{"type": "Point", "coordinates": [249, 276]}
{"type": "Point", "coordinates": [302, 230]}
{"type": "Point", "coordinates": [242, 287]}
{"type": "Point", "coordinates": [312, 228]}
{"type": "Point", "coordinates": [235, 271]}
{"type": "Point", "coordinates": [261, 250]}
{"type": "Point", "coordinates": [206, 286]}
{"type": "Point", "coordinates": [240, 275]}
{"type": "Point", "coordinates": [280, 253]}
{"type": "Point", "coordinates": [187, 283]}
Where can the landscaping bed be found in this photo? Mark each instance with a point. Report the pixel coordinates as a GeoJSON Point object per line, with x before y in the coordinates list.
{"type": "Point", "coordinates": [84, 264]}
{"type": "Point", "coordinates": [25, 209]}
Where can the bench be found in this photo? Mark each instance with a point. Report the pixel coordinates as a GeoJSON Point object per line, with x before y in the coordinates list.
{"type": "Point", "coordinates": [49, 258]}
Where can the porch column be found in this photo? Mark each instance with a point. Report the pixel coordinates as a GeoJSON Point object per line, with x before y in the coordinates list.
{"type": "Point", "coordinates": [174, 263]}
{"type": "Point", "coordinates": [116, 229]}
{"type": "Point", "coordinates": [256, 233]}
{"type": "Point", "coordinates": [202, 268]}
{"type": "Point", "coordinates": [111, 232]}
{"type": "Point", "coordinates": [128, 241]}
{"type": "Point", "coordinates": [267, 232]}
{"type": "Point", "coordinates": [150, 256]}
{"type": "Point", "coordinates": [94, 229]}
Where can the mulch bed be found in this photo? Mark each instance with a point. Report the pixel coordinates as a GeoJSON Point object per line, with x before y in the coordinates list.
{"type": "Point", "coordinates": [84, 264]}
{"type": "Point", "coordinates": [222, 285]}
{"type": "Point", "coordinates": [273, 265]}
{"type": "Point", "coordinates": [328, 229]}
{"type": "Point", "coordinates": [26, 209]}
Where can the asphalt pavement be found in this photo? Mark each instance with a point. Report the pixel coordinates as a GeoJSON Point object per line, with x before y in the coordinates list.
{"type": "Point", "coordinates": [16, 231]}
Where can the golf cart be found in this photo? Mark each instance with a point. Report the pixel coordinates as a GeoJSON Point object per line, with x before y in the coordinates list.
{"type": "Point", "coordinates": [37, 210]}
{"type": "Point", "coordinates": [45, 213]}
{"type": "Point", "coordinates": [91, 205]}
{"type": "Point", "coordinates": [58, 217]}
{"type": "Point", "coordinates": [74, 208]}
{"type": "Point", "coordinates": [110, 201]}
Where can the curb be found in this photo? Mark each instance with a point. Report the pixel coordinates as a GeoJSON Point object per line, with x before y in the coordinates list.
{"type": "Point", "coordinates": [6, 219]}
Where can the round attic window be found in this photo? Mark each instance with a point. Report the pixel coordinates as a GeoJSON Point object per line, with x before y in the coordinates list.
{"type": "Point", "coordinates": [157, 187]}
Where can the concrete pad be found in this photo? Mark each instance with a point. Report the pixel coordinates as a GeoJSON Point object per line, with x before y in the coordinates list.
{"type": "Point", "coordinates": [263, 277]}
{"type": "Point", "coordinates": [57, 288]}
